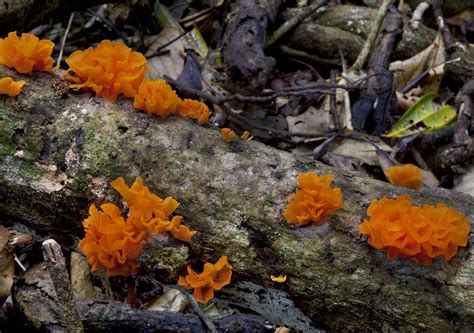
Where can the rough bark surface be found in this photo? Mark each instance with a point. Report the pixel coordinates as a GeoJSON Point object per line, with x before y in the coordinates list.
{"type": "Point", "coordinates": [59, 152]}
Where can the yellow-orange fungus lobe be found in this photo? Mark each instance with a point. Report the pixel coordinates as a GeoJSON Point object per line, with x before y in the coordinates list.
{"type": "Point", "coordinates": [314, 201]}
{"type": "Point", "coordinates": [279, 279]}
{"type": "Point", "coordinates": [10, 87]}
{"type": "Point", "coordinates": [111, 242]}
{"type": "Point", "coordinates": [156, 97]}
{"type": "Point", "coordinates": [227, 134]}
{"type": "Point", "coordinates": [417, 233]}
{"type": "Point", "coordinates": [246, 136]}
{"type": "Point", "coordinates": [213, 277]}
{"type": "Point", "coordinates": [407, 175]}
{"type": "Point", "coordinates": [110, 70]}
{"type": "Point", "coordinates": [194, 109]}
{"type": "Point", "coordinates": [27, 53]}
{"type": "Point", "coordinates": [148, 212]}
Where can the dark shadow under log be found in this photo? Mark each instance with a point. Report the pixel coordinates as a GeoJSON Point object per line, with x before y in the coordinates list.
{"type": "Point", "coordinates": [59, 152]}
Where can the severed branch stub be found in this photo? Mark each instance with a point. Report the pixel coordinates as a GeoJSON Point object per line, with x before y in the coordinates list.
{"type": "Point", "coordinates": [57, 268]}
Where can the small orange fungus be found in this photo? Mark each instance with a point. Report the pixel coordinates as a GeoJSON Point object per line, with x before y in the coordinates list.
{"type": "Point", "coordinates": [279, 279]}
{"type": "Point", "coordinates": [227, 134]}
{"type": "Point", "coordinates": [111, 242]}
{"type": "Point", "coordinates": [109, 70]}
{"type": "Point", "coordinates": [314, 201]}
{"type": "Point", "coordinates": [213, 277]}
{"type": "Point", "coordinates": [417, 233]}
{"type": "Point", "coordinates": [246, 136]}
{"type": "Point", "coordinates": [10, 87]}
{"type": "Point", "coordinates": [156, 97]}
{"type": "Point", "coordinates": [194, 109]}
{"type": "Point", "coordinates": [148, 212]}
{"type": "Point", "coordinates": [407, 175]}
{"type": "Point", "coordinates": [27, 53]}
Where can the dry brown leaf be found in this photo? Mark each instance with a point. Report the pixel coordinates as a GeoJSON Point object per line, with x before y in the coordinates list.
{"type": "Point", "coordinates": [170, 64]}
{"type": "Point", "coordinates": [411, 68]}
{"type": "Point", "coordinates": [312, 121]}
{"type": "Point", "coordinates": [360, 150]}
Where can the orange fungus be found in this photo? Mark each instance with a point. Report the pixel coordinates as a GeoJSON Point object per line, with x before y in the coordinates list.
{"type": "Point", "coordinates": [10, 87]}
{"type": "Point", "coordinates": [417, 233]}
{"type": "Point", "coordinates": [156, 97]}
{"type": "Point", "coordinates": [148, 212]}
{"type": "Point", "coordinates": [26, 53]}
{"type": "Point", "coordinates": [227, 134]}
{"type": "Point", "coordinates": [407, 175]}
{"type": "Point", "coordinates": [111, 242]}
{"type": "Point", "coordinates": [314, 201]}
{"type": "Point", "coordinates": [109, 70]}
{"type": "Point", "coordinates": [194, 109]}
{"type": "Point", "coordinates": [246, 136]}
{"type": "Point", "coordinates": [213, 277]}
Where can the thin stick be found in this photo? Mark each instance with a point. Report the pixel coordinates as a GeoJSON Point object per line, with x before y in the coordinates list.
{"type": "Point", "coordinates": [56, 264]}
{"type": "Point", "coordinates": [364, 53]}
{"type": "Point", "coordinates": [63, 41]}
{"type": "Point", "coordinates": [208, 322]}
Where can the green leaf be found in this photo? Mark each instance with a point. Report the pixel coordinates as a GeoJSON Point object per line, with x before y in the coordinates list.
{"type": "Point", "coordinates": [422, 118]}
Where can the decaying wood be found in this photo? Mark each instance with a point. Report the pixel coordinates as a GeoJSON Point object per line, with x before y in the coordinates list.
{"type": "Point", "coordinates": [38, 300]}
{"type": "Point", "coordinates": [242, 43]}
{"type": "Point", "coordinates": [346, 27]}
{"type": "Point", "coordinates": [377, 99]}
{"type": "Point", "coordinates": [59, 152]}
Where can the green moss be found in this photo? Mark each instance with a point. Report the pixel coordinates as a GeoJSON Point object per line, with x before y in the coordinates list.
{"type": "Point", "coordinates": [7, 132]}
{"type": "Point", "coordinates": [166, 261]}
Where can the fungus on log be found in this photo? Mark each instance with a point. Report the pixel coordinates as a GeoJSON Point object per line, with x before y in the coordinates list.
{"type": "Point", "coordinates": [59, 151]}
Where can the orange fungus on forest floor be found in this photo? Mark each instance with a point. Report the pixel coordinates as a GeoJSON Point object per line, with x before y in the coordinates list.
{"type": "Point", "coordinates": [114, 242]}
{"type": "Point", "coordinates": [407, 175]}
{"type": "Point", "coordinates": [417, 233]}
{"type": "Point", "coordinates": [213, 277]}
{"type": "Point", "coordinates": [26, 53]}
{"type": "Point", "coordinates": [110, 70]}
{"type": "Point", "coordinates": [314, 201]}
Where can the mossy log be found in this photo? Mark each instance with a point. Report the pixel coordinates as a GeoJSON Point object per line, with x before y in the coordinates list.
{"type": "Point", "coordinates": [344, 28]}
{"type": "Point", "coordinates": [59, 151]}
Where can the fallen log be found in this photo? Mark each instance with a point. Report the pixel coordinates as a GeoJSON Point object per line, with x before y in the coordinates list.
{"type": "Point", "coordinates": [344, 28]}
{"type": "Point", "coordinates": [59, 152]}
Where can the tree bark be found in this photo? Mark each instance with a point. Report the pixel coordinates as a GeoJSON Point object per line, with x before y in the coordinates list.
{"type": "Point", "coordinates": [59, 152]}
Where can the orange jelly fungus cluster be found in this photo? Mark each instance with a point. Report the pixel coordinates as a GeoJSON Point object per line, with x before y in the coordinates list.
{"type": "Point", "coordinates": [194, 109]}
{"type": "Point", "coordinates": [418, 233]}
{"type": "Point", "coordinates": [27, 53]}
{"type": "Point", "coordinates": [314, 201]}
{"type": "Point", "coordinates": [227, 134]}
{"type": "Point", "coordinates": [10, 87]}
{"type": "Point", "coordinates": [407, 175]}
{"type": "Point", "coordinates": [246, 136]}
{"type": "Point", "coordinates": [158, 98]}
{"type": "Point", "coordinates": [109, 69]}
{"type": "Point", "coordinates": [214, 277]}
{"type": "Point", "coordinates": [148, 212]}
{"type": "Point", "coordinates": [114, 242]}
